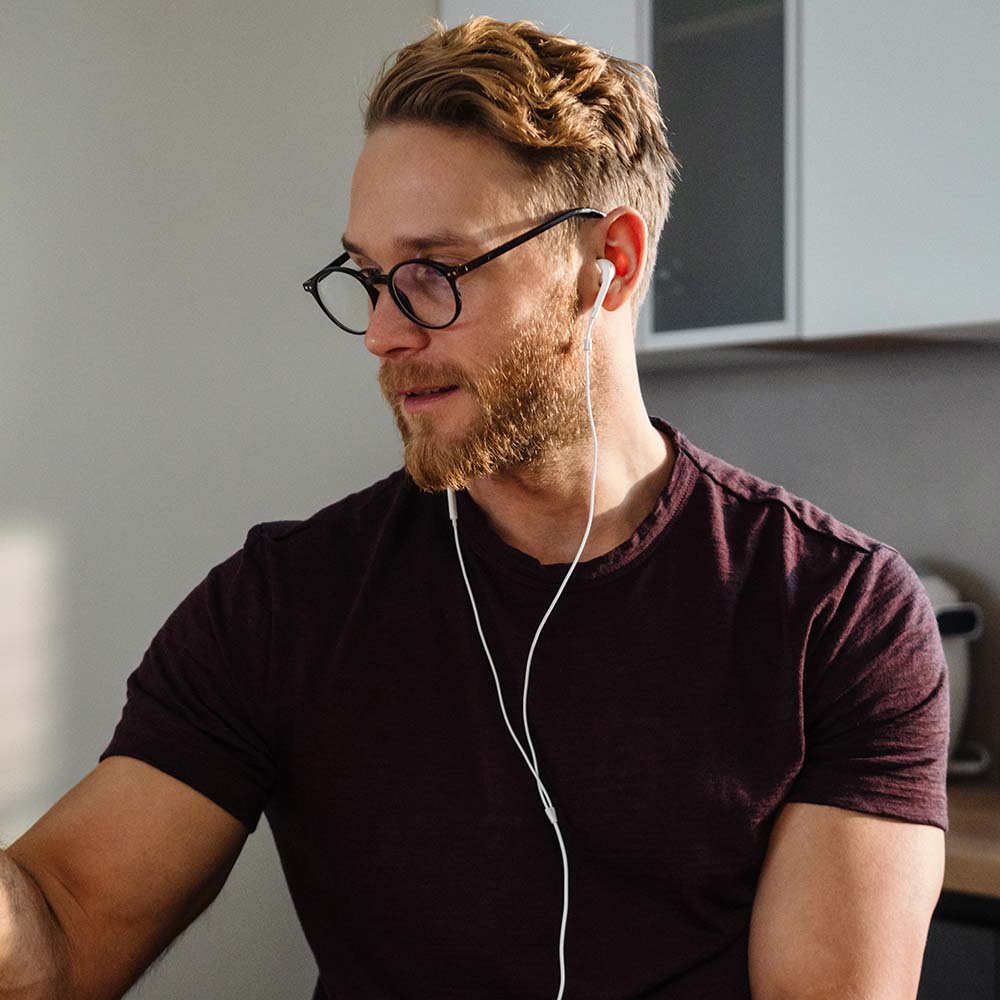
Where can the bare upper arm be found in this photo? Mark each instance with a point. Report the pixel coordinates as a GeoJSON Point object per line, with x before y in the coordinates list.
{"type": "Point", "coordinates": [843, 905]}
{"type": "Point", "coordinates": [127, 859]}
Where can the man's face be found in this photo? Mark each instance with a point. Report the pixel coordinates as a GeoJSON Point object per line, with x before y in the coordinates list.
{"type": "Point", "coordinates": [514, 356]}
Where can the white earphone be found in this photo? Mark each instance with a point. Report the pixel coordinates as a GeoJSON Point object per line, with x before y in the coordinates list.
{"type": "Point", "coordinates": [608, 272]}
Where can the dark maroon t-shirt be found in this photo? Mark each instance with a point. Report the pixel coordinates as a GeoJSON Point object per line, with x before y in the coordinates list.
{"type": "Point", "coordinates": [742, 650]}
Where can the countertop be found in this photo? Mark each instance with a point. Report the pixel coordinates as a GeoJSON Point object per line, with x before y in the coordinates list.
{"type": "Point", "coordinates": [972, 844]}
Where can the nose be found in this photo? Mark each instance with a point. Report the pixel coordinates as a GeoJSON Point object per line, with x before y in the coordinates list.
{"type": "Point", "coordinates": [390, 331]}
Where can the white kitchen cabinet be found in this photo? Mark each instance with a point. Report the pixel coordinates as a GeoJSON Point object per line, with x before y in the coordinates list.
{"type": "Point", "coordinates": [900, 135]}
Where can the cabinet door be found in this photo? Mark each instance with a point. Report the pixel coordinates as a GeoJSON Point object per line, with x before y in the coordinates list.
{"type": "Point", "coordinates": [900, 136]}
{"type": "Point", "coordinates": [725, 269]}
{"type": "Point", "coordinates": [960, 961]}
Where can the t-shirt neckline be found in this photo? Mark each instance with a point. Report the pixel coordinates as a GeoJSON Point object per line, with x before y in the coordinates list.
{"type": "Point", "coordinates": [475, 531]}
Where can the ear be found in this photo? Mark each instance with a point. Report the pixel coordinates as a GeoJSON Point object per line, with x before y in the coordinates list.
{"type": "Point", "coordinates": [621, 238]}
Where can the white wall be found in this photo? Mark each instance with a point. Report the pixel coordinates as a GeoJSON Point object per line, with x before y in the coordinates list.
{"type": "Point", "coordinates": [585, 21]}
{"type": "Point", "coordinates": [171, 173]}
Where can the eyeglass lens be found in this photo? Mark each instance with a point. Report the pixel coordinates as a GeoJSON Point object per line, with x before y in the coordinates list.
{"type": "Point", "coordinates": [422, 291]}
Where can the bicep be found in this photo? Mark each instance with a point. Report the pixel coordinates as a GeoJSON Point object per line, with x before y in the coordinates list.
{"type": "Point", "coordinates": [127, 859]}
{"type": "Point", "coordinates": [843, 905]}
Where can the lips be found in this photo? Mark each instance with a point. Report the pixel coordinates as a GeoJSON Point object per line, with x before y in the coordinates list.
{"type": "Point", "coordinates": [420, 399]}
{"type": "Point", "coordinates": [429, 390]}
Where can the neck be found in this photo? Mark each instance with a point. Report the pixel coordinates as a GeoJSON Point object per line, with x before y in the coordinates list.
{"type": "Point", "coordinates": [542, 509]}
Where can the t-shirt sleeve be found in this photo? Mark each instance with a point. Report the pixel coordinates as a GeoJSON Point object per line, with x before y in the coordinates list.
{"type": "Point", "coordinates": [197, 705]}
{"type": "Point", "coordinates": [875, 699]}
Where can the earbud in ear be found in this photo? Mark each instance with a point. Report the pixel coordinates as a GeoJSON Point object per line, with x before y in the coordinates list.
{"type": "Point", "coordinates": [608, 272]}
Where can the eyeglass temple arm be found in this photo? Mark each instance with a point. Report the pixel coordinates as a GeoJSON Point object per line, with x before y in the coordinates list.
{"type": "Point", "coordinates": [524, 237]}
{"type": "Point", "coordinates": [455, 272]}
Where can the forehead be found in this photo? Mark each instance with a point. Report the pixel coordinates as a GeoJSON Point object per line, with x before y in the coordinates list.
{"type": "Point", "coordinates": [412, 179]}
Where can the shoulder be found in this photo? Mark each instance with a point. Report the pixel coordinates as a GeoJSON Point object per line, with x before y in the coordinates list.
{"type": "Point", "coordinates": [748, 498]}
{"type": "Point", "coordinates": [343, 520]}
{"type": "Point", "coordinates": [857, 595]}
{"type": "Point", "coordinates": [328, 553]}
{"type": "Point", "coordinates": [766, 535]}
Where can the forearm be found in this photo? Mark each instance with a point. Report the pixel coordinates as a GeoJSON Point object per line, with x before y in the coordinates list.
{"type": "Point", "coordinates": [33, 956]}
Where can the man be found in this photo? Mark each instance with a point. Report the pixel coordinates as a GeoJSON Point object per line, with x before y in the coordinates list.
{"type": "Point", "coordinates": [738, 707]}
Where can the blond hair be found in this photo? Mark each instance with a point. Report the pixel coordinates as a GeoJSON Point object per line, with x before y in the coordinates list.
{"type": "Point", "coordinates": [586, 125]}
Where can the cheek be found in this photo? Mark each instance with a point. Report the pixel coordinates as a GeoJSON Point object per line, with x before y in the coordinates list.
{"type": "Point", "coordinates": [499, 307]}
{"type": "Point", "coordinates": [502, 293]}
{"type": "Point", "coordinates": [488, 321]}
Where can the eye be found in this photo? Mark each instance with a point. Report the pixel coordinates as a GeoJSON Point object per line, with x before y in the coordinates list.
{"type": "Point", "coordinates": [424, 272]}
{"type": "Point", "coordinates": [362, 263]}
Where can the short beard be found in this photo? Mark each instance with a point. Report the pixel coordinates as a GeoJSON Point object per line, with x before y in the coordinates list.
{"type": "Point", "coordinates": [532, 402]}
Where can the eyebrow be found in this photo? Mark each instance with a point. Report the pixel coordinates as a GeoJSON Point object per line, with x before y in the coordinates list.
{"type": "Point", "coordinates": [442, 239]}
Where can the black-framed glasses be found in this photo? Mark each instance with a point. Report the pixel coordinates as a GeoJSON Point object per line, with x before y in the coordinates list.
{"type": "Point", "coordinates": [426, 291]}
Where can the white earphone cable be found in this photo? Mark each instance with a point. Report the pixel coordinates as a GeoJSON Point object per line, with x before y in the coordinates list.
{"type": "Point", "coordinates": [533, 763]}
